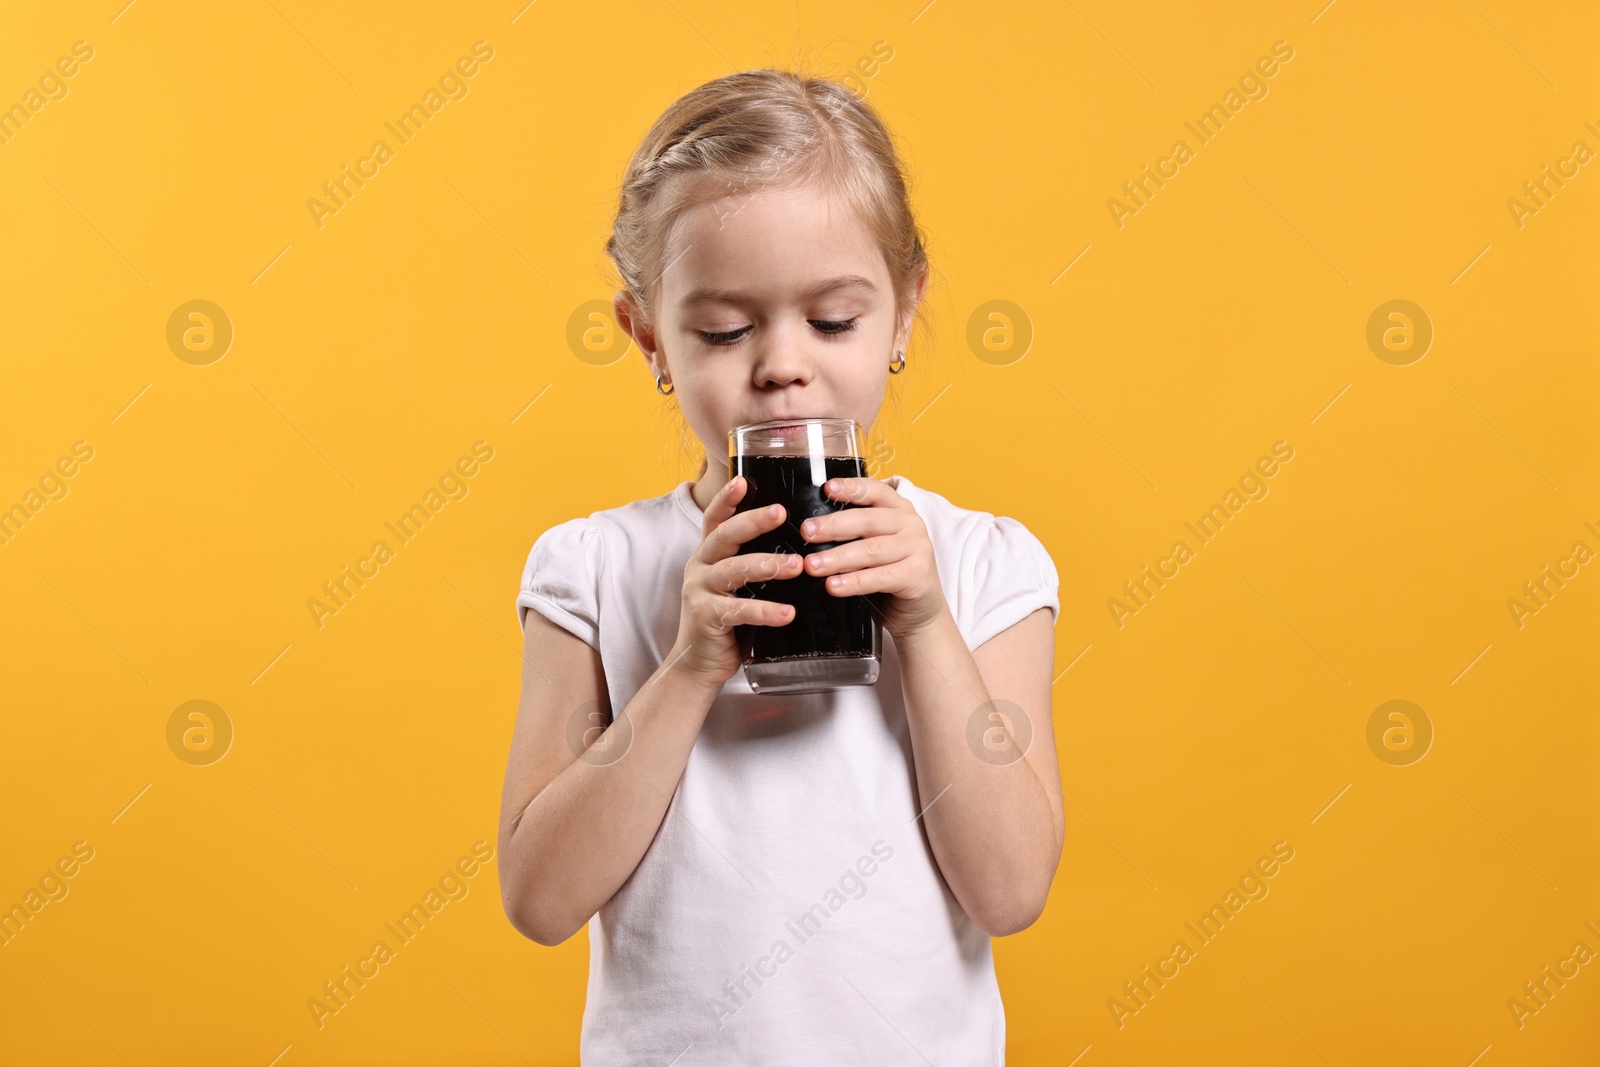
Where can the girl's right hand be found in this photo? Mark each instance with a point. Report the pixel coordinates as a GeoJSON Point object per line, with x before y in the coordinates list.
{"type": "Point", "coordinates": [707, 645]}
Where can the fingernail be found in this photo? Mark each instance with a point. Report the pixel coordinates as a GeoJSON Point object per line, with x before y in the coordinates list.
{"type": "Point", "coordinates": [772, 509]}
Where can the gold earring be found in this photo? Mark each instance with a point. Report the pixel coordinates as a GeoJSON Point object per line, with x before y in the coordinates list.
{"type": "Point", "coordinates": [901, 356]}
{"type": "Point", "coordinates": [668, 391]}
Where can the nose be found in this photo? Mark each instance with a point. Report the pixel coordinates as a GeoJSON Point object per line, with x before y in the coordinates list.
{"type": "Point", "coordinates": [781, 360]}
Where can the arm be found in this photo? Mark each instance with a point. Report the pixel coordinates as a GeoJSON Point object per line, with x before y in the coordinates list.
{"type": "Point", "coordinates": [585, 791]}
{"type": "Point", "coordinates": [992, 815]}
{"type": "Point", "coordinates": [996, 830]}
{"type": "Point", "coordinates": [572, 830]}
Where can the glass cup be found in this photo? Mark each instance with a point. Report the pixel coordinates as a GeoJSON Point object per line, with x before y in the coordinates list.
{"type": "Point", "coordinates": [832, 641]}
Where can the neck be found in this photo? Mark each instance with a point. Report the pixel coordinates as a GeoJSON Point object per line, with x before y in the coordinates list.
{"type": "Point", "coordinates": [705, 487]}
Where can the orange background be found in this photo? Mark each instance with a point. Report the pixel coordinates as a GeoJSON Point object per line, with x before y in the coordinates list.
{"type": "Point", "coordinates": [435, 309]}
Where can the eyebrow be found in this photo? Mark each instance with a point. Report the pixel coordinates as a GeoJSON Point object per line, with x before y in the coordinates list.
{"type": "Point", "coordinates": [733, 296]}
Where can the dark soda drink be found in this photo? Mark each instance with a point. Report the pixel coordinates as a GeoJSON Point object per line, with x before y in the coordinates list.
{"type": "Point", "coordinates": [824, 625]}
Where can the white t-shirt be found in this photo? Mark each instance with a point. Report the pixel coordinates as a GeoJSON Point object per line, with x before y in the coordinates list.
{"type": "Point", "coordinates": [789, 909]}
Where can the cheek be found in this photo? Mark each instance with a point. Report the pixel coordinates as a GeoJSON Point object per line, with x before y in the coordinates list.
{"type": "Point", "coordinates": [866, 347]}
{"type": "Point", "coordinates": [711, 404]}
{"type": "Point", "coordinates": [874, 353]}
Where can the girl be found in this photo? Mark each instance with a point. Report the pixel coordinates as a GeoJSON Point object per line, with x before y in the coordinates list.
{"type": "Point", "coordinates": [807, 879]}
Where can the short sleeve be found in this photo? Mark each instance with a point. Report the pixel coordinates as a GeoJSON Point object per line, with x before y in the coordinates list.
{"type": "Point", "coordinates": [1009, 576]}
{"type": "Point", "coordinates": [561, 579]}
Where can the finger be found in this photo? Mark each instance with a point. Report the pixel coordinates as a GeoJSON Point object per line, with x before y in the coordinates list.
{"type": "Point", "coordinates": [748, 611]}
{"type": "Point", "coordinates": [738, 571]}
{"type": "Point", "coordinates": [862, 582]}
{"type": "Point", "coordinates": [727, 538]}
{"type": "Point", "coordinates": [722, 505]}
{"type": "Point", "coordinates": [722, 509]}
{"type": "Point", "coordinates": [868, 492]}
{"type": "Point", "coordinates": [850, 523]}
{"type": "Point", "coordinates": [858, 555]}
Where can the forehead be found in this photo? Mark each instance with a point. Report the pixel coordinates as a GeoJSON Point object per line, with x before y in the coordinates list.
{"type": "Point", "coordinates": [773, 243]}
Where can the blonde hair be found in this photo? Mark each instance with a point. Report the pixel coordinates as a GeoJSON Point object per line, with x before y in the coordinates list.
{"type": "Point", "coordinates": [754, 130]}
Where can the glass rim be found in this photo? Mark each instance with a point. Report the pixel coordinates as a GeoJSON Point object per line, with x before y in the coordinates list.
{"type": "Point", "coordinates": [826, 435]}
{"type": "Point", "coordinates": [751, 427]}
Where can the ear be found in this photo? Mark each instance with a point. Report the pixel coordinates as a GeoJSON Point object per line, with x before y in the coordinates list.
{"type": "Point", "coordinates": [643, 333]}
{"type": "Point", "coordinates": [902, 334]}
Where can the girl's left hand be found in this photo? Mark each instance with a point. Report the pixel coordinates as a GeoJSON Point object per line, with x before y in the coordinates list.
{"type": "Point", "coordinates": [887, 551]}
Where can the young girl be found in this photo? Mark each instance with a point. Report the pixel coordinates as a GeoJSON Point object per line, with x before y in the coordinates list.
{"type": "Point", "coordinates": [806, 879]}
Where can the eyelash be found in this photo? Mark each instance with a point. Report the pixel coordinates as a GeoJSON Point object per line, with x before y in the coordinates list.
{"type": "Point", "coordinates": [733, 337]}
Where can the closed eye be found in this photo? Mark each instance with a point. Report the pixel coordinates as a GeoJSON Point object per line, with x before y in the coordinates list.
{"type": "Point", "coordinates": [833, 329]}
{"type": "Point", "coordinates": [826, 327]}
{"type": "Point", "coordinates": [732, 337]}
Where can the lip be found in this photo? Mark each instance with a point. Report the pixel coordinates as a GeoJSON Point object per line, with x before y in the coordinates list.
{"type": "Point", "coordinates": [801, 425]}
